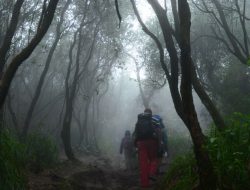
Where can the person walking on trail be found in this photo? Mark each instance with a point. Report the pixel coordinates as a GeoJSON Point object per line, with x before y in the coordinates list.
{"type": "Point", "coordinates": [146, 141]}
{"type": "Point", "coordinates": [162, 139]}
{"type": "Point", "coordinates": [128, 149]}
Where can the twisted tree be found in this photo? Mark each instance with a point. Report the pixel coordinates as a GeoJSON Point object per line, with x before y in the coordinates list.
{"type": "Point", "coordinates": [183, 99]}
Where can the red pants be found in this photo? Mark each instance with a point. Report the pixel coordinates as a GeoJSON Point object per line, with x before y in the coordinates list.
{"type": "Point", "coordinates": [148, 161]}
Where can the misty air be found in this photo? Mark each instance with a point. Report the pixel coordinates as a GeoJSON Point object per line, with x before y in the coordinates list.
{"type": "Point", "coordinates": [124, 94]}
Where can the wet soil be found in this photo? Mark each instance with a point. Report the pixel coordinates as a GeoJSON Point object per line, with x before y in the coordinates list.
{"type": "Point", "coordinates": [93, 173]}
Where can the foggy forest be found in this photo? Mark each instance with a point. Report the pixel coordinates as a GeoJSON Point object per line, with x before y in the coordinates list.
{"type": "Point", "coordinates": [77, 76]}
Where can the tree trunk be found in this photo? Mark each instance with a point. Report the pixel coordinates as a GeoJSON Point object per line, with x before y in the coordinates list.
{"type": "Point", "coordinates": [84, 138]}
{"type": "Point", "coordinates": [44, 73]}
{"type": "Point", "coordinates": [71, 90]}
{"type": "Point", "coordinates": [66, 138]}
{"type": "Point", "coordinates": [206, 173]}
{"type": "Point", "coordinates": [183, 102]}
{"type": "Point", "coordinates": [77, 119]}
{"type": "Point", "coordinates": [236, 45]}
{"type": "Point", "coordinates": [207, 177]}
{"type": "Point", "coordinates": [205, 99]}
{"type": "Point", "coordinates": [13, 115]}
{"type": "Point", "coordinates": [69, 97]}
{"type": "Point", "coordinates": [26, 52]}
{"type": "Point", "coordinates": [9, 34]}
{"type": "Point", "coordinates": [143, 97]}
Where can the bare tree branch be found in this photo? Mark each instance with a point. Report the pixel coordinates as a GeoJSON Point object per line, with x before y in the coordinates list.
{"type": "Point", "coordinates": [26, 52]}
{"type": "Point", "coordinates": [9, 34]}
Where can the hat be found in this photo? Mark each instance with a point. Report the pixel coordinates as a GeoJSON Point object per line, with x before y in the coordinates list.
{"type": "Point", "coordinates": [127, 133]}
{"type": "Point", "coordinates": [148, 110]}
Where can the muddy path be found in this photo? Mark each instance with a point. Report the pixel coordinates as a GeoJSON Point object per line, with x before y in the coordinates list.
{"type": "Point", "coordinates": [92, 173]}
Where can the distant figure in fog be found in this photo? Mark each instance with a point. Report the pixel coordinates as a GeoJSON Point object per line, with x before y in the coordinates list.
{"type": "Point", "coordinates": [128, 149]}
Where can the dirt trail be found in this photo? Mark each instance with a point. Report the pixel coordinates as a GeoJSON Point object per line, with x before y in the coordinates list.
{"type": "Point", "coordinates": [92, 173]}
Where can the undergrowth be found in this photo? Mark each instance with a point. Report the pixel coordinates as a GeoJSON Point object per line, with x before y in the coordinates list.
{"type": "Point", "coordinates": [41, 152]}
{"type": "Point", "coordinates": [12, 161]}
{"type": "Point", "coordinates": [182, 174]}
{"type": "Point", "coordinates": [36, 153]}
{"type": "Point", "coordinates": [230, 154]}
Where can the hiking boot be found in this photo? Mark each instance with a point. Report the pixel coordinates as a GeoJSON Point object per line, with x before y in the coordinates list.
{"type": "Point", "coordinates": [153, 178]}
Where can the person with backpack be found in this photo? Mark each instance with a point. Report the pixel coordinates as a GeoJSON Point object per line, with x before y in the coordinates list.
{"type": "Point", "coordinates": [128, 149]}
{"type": "Point", "coordinates": [162, 139]}
{"type": "Point", "coordinates": [145, 139]}
{"type": "Point", "coordinates": [162, 135]}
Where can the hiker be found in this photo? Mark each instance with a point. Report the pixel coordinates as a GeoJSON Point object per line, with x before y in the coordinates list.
{"type": "Point", "coordinates": [162, 139]}
{"type": "Point", "coordinates": [147, 143]}
{"type": "Point", "coordinates": [128, 149]}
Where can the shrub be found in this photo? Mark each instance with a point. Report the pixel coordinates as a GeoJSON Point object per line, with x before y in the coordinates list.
{"type": "Point", "coordinates": [41, 152]}
{"type": "Point", "coordinates": [230, 152]}
{"type": "Point", "coordinates": [36, 153]}
{"type": "Point", "coordinates": [12, 162]}
{"type": "Point", "coordinates": [182, 174]}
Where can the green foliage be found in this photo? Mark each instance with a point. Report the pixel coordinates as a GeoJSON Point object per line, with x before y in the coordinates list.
{"type": "Point", "coordinates": [182, 174]}
{"type": "Point", "coordinates": [12, 162]}
{"type": "Point", "coordinates": [248, 62]}
{"type": "Point", "coordinates": [230, 152]}
{"type": "Point", "coordinates": [36, 153]}
{"type": "Point", "coordinates": [41, 152]}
